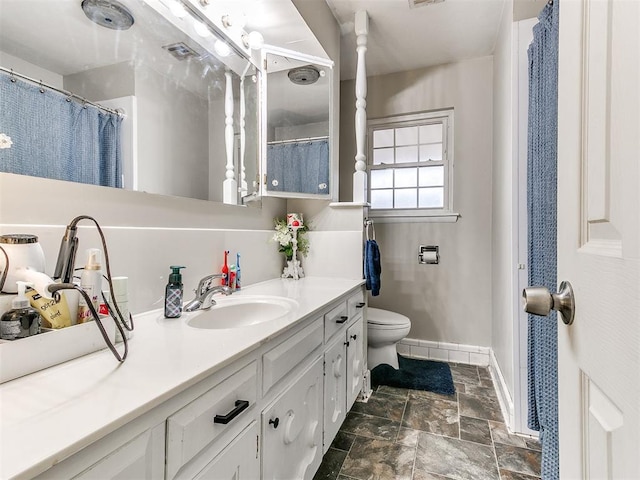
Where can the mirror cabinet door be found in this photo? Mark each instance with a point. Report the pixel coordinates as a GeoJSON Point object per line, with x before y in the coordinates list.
{"type": "Point", "coordinates": [298, 157]}
{"type": "Point", "coordinates": [188, 98]}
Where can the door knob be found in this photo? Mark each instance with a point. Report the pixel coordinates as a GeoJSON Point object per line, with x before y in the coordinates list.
{"type": "Point", "coordinates": [539, 301]}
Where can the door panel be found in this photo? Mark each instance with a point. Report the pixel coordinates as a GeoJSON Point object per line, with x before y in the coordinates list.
{"type": "Point", "coordinates": [598, 239]}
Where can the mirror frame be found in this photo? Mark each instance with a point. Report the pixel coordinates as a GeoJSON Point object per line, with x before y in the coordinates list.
{"type": "Point", "coordinates": [333, 140]}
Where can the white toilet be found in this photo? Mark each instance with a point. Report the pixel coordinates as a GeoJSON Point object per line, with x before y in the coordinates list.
{"type": "Point", "coordinates": [384, 330]}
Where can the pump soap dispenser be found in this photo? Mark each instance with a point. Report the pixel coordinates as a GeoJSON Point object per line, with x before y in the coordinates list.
{"type": "Point", "coordinates": [173, 294]}
{"type": "Point", "coordinates": [22, 320]}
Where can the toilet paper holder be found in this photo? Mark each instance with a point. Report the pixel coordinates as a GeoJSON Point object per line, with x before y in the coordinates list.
{"type": "Point", "coordinates": [429, 254]}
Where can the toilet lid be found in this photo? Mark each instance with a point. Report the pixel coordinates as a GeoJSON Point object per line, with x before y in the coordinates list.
{"type": "Point", "coordinates": [376, 316]}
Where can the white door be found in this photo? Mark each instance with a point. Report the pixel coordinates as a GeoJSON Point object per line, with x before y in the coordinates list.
{"type": "Point", "coordinates": [355, 361]}
{"type": "Point", "coordinates": [292, 429]}
{"type": "Point", "coordinates": [598, 238]}
{"type": "Point", "coordinates": [238, 461]}
{"type": "Point", "coordinates": [335, 390]}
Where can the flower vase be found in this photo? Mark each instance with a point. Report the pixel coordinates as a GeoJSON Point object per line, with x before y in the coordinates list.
{"type": "Point", "coordinates": [291, 268]}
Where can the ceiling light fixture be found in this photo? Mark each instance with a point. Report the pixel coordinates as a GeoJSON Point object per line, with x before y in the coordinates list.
{"type": "Point", "coordinates": [253, 40]}
{"type": "Point", "coordinates": [201, 29]}
{"type": "Point", "coordinates": [177, 9]}
{"type": "Point", "coordinates": [222, 48]}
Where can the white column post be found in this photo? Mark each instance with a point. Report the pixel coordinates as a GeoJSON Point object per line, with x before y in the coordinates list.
{"type": "Point", "coordinates": [360, 175]}
{"type": "Point", "coordinates": [230, 186]}
{"type": "Point", "coordinates": [243, 174]}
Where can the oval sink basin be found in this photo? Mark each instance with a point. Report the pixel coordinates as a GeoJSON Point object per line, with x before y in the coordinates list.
{"type": "Point", "coordinates": [242, 311]}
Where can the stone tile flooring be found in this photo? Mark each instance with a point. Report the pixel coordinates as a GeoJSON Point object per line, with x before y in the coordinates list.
{"type": "Point", "coordinates": [414, 435]}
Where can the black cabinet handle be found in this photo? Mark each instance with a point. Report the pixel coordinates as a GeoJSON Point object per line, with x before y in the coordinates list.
{"type": "Point", "coordinates": [360, 305]}
{"type": "Point", "coordinates": [241, 406]}
{"type": "Point", "coordinates": [342, 319]}
{"type": "Point", "coordinates": [353, 337]}
{"type": "Point", "coordinates": [275, 422]}
{"type": "Point", "coordinates": [346, 343]}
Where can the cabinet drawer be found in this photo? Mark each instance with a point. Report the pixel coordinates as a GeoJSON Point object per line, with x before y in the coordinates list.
{"type": "Point", "coordinates": [335, 320]}
{"type": "Point", "coordinates": [355, 303]}
{"type": "Point", "coordinates": [196, 425]}
{"type": "Point", "coordinates": [278, 361]}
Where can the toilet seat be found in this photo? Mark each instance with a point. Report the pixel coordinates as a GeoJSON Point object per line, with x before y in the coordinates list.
{"type": "Point", "coordinates": [386, 320]}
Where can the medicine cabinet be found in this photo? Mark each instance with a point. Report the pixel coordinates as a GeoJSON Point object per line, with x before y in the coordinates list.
{"type": "Point", "coordinates": [299, 158]}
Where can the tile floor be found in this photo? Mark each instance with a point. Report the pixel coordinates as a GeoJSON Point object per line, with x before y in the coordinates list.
{"type": "Point", "coordinates": [413, 435]}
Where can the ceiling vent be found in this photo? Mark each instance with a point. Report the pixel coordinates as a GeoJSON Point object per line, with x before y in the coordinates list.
{"type": "Point", "coordinates": [422, 3]}
{"type": "Point", "coordinates": [306, 75]}
{"type": "Point", "coordinates": [180, 50]}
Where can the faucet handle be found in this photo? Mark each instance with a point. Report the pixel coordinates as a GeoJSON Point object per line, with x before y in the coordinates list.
{"type": "Point", "coordinates": [205, 282]}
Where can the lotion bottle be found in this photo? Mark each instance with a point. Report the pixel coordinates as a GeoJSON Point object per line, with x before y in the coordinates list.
{"type": "Point", "coordinates": [173, 294]}
{"type": "Point", "coordinates": [91, 283]}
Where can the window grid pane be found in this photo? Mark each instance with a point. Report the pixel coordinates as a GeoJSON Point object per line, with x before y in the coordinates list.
{"type": "Point", "coordinates": [419, 177]}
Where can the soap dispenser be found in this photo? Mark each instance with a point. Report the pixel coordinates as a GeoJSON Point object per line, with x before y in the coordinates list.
{"type": "Point", "coordinates": [173, 294]}
{"type": "Point", "coordinates": [22, 320]}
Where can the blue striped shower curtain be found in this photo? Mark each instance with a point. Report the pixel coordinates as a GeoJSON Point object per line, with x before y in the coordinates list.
{"type": "Point", "coordinates": [53, 137]}
{"type": "Point", "coordinates": [542, 211]}
{"type": "Point", "coordinates": [301, 167]}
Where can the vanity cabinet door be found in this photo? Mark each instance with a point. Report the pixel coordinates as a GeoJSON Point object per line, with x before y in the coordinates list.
{"type": "Point", "coordinates": [335, 389]}
{"type": "Point", "coordinates": [355, 361]}
{"type": "Point", "coordinates": [142, 458]}
{"type": "Point", "coordinates": [292, 428]}
{"type": "Point", "coordinates": [238, 461]}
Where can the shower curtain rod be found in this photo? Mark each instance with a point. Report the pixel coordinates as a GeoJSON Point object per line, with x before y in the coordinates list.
{"type": "Point", "coordinates": [294, 140]}
{"type": "Point", "coordinates": [40, 83]}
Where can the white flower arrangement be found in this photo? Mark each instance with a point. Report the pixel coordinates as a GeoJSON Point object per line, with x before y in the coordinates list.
{"type": "Point", "coordinates": [5, 141]}
{"type": "Point", "coordinates": [284, 237]}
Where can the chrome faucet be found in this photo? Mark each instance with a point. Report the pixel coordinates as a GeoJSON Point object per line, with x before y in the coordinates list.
{"type": "Point", "coordinates": [204, 293]}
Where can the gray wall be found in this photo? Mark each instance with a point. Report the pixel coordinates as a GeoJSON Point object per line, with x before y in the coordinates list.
{"type": "Point", "coordinates": [451, 301]}
{"type": "Point", "coordinates": [173, 128]}
{"type": "Point", "coordinates": [112, 81]}
{"type": "Point", "coordinates": [502, 201]}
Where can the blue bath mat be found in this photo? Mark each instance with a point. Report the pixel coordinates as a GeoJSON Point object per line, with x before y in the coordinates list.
{"type": "Point", "coordinates": [416, 375]}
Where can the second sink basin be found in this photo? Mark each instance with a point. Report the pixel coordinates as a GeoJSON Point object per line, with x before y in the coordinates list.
{"type": "Point", "coordinates": [242, 311]}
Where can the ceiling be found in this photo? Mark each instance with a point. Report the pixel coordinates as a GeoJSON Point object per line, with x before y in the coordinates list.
{"type": "Point", "coordinates": [405, 38]}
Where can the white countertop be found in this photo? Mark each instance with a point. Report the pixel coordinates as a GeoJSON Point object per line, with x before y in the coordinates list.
{"type": "Point", "coordinates": [50, 415]}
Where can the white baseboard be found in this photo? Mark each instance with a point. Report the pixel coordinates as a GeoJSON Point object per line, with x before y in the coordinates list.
{"type": "Point", "coordinates": [445, 352]}
{"type": "Point", "coordinates": [504, 397]}
{"type": "Point", "coordinates": [465, 354]}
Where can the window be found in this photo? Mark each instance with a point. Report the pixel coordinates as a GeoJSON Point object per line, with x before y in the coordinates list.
{"type": "Point", "coordinates": [410, 164]}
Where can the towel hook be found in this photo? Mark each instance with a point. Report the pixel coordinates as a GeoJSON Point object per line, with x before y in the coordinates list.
{"type": "Point", "coordinates": [12, 77]}
{"type": "Point", "coordinates": [367, 224]}
{"type": "Point", "coordinates": [41, 87]}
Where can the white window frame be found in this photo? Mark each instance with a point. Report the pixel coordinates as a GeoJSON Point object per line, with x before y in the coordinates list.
{"type": "Point", "coordinates": [444, 214]}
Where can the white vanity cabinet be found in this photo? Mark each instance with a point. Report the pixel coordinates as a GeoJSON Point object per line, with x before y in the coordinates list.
{"type": "Point", "coordinates": [194, 429]}
{"type": "Point", "coordinates": [292, 428]}
{"type": "Point", "coordinates": [343, 362]}
{"type": "Point", "coordinates": [335, 389]}
{"type": "Point", "coordinates": [142, 458]}
{"type": "Point", "coordinates": [355, 360]}
{"type": "Point", "coordinates": [240, 460]}
{"type": "Point", "coordinates": [270, 413]}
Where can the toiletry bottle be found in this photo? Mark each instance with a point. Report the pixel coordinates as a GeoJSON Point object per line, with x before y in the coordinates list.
{"type": "Point", "coordinates": [238, 271]}
{"type": "Point", "coordinates": [173, 294]}
{"type": "Point", "coordinates": [232, 277]}
{"type": "Point", "coordinates": [22, 320]}
{"type": "Point", "coordinates": [225, 270]}
{"type": "Point", "coordinates": [91, 283]}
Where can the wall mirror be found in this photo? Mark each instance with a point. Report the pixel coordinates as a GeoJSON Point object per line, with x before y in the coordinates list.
{"type": "Point", "coordinates": [297, 161]}
{"type": "Point", "coordinates": [190, 100]}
